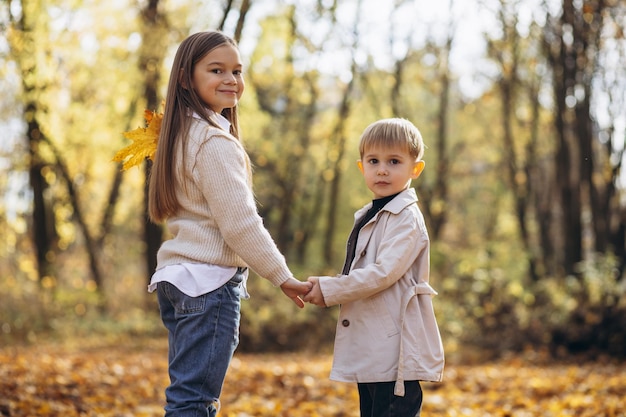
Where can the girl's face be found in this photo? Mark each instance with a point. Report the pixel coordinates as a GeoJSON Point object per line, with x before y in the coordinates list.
{"type": "Point", "coordinates": [218, 79]}
{"type": "Point", "coordinates": [387, 171]}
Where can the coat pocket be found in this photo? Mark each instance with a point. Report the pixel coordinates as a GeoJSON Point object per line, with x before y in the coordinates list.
{"type": "Point", "coordinates": [382, 317]}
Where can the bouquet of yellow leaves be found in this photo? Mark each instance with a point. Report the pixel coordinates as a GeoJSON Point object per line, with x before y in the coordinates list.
{"type": "Point", "coordinates": [145, 140]}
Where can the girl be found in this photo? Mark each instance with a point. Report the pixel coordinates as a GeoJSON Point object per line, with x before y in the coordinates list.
{"type": "Point", "coordinates": [201, 187]}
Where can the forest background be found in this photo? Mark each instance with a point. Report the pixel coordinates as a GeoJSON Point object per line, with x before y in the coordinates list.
{"type": "Point", "coordinates": [521, 104]}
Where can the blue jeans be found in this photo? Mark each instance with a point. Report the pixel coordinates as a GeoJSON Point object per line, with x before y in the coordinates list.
{"type": "Point", "coordinates": [377, 400]}
{"type": "Point", "coordinates": [203, 333]}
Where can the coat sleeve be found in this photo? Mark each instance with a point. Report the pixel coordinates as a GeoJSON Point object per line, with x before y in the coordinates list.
{"type": "Point", "coordinates": [402, 239]}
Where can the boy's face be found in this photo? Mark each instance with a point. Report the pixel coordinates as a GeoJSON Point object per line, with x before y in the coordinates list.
{"type": "Point", "coordinates": [387, 171]}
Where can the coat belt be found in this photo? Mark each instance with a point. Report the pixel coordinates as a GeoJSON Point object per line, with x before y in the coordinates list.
{"type": "Point", "coordinates": [422, 288]}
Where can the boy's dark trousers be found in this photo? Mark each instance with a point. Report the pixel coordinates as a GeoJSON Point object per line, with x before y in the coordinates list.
{"type": "Point", "coordinates": [377, 400]}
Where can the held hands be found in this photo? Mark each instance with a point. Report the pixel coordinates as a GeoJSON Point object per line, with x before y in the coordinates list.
{"type": "Point", "coordinates": [294, 289]}
{"type": "Point", "coordinates": [315, 296]}
{"type": "Point", "coordinates": [311, 290]}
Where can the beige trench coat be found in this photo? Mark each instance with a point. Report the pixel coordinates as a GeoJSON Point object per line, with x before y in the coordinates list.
{"type": "Point", "coordinates": [387, 329]}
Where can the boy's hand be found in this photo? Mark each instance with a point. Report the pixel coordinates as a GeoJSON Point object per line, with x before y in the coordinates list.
{"type": "Point", "coordinates": [294, 289]}
{"type": "Point", "coordinates": [315, 296]}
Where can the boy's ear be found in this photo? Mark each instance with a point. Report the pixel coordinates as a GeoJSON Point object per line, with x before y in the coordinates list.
{"type": "Point", "coordinates": [418, 168]}
{"type": "Point", "coordinates": [359, 163]}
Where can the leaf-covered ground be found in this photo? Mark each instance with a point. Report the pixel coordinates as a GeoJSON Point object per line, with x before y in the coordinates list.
{"type": "Point", "coordinates": [128, 380]}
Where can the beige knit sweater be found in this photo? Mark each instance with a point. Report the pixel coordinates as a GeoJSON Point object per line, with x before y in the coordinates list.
{"type": "Point", "coordinates": [218, 222]}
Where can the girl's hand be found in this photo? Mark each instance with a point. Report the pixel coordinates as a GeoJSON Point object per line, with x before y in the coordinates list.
{"type": "Point", "coordinates": [315, 296]}
{"type": "Point", "coordinates": [294, 289]}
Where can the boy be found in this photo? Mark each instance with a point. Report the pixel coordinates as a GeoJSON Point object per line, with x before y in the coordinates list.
{"type": "Point", "coordinates": [387, 339]}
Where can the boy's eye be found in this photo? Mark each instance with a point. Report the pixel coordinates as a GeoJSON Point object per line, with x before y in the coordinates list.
{"type": "Point", "coordinates": [373, 161]}
{"type": "Point", "coordinates": [394, 162]}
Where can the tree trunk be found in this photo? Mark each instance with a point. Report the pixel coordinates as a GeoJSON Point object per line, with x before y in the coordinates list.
{"type": "Point", "coordinates": [539, 189]}
{"type": "Point", "coordinates": [154, 27]}
{"type": "Point", "coordinates": [440, 192]}
{"type": "Point", "coordinates": [339, 136]}
{"type": "Point", "coordinates": [436, 191]}
{"type": "Point", "coordinates": [507, 53]}
{"type": "Point", "coordinates": [43, 225]}
{"type": "Point", "coordinates": [572, 45]}
{"type": "Point", "coordinates": [562, 59]}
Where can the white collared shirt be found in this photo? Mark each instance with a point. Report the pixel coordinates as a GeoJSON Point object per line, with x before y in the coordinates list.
{"type": "Point", "coordinates": [197, 279]}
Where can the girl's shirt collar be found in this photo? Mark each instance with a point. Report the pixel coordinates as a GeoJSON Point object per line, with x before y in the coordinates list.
{"type": "Point", "coordinates": [217, 118]}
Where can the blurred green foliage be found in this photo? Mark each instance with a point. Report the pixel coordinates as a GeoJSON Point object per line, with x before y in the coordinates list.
{"type": "Point", "coordinates": [487, 303]}
{"type": "Point", "coordinates": [482, 315]}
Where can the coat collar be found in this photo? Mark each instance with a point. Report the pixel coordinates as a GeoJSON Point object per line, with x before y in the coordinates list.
{"type": "Point", "coordinates": [402, 200]}
{"type": "Point", "coordinates": [395, 206]}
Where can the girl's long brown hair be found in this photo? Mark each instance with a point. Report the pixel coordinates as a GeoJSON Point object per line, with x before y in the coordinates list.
{"type": "Point", "coordinates": [179, 104]}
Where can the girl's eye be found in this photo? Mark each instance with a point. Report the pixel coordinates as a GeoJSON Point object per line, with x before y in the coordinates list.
{"type": "Point", "coordinates": [216, 71]}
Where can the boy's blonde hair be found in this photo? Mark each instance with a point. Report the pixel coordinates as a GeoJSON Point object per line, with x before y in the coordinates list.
{"type": "Point", "coordinates": [393, 133]}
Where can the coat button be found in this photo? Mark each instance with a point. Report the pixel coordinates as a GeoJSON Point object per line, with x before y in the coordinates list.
{"type": "Point", "coordinates": [345, 323]}
{"type": "Point", "coordinates": [363, 253]}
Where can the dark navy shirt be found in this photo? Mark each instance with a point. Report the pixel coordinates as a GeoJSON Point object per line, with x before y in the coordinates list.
{"type": "Point", "coordinates": [377, 205]}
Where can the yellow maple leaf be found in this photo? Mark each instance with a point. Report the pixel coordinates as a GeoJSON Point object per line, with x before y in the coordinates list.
{"type": "Point", "coordinates": [144, 139]}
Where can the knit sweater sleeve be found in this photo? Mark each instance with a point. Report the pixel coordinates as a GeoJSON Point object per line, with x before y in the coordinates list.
{"type": "Point", "coordinates": [221, 169]}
